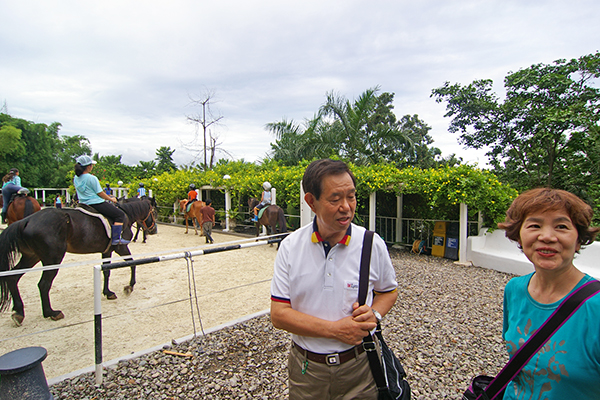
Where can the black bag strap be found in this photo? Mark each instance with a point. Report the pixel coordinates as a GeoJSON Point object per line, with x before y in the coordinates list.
{"type": "Point", "coordinates": [363, 285]}
{"type": "Point", "coordinates": [564, 311]}
{"type": "Point", "coordinates": [365, 265]}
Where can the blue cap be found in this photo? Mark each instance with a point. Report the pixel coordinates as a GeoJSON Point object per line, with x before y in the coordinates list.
{"type": "Point", "coordinates": [85, 160]}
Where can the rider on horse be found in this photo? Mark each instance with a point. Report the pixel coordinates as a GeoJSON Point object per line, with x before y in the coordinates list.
{"type": "Point", "coordinates": [12, 185]}
{"type": "Point", "coordinates": [90, 192]}
{"type": "Point", "coordinates": [141, 192]}
{"type": "Point", "coordinates": [265, 200]}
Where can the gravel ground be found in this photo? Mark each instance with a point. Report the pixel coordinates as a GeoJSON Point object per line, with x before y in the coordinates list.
{"type": "Point", "coordinates": [445, 328]}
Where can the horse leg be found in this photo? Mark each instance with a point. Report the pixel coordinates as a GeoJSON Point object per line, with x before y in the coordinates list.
{"type": "Point", "coordinates": [145, 234]}
{"type": "Point", "coordinates": [13, 286]}
{"type": "Point", "coordinates": [110, 295]}
{"type": "Point", "coordinates": [186, 222]}
{"type": "Point", "coordinates": [136, 233]}
{"type": "Point", "coordinates": [18, 309]}
{"type": "Point", "coordinates": [125, 253]}
{"type": "Point", "coordinates": [44, 285]}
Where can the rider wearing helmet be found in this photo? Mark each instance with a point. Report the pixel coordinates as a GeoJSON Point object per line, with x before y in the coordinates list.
{"type": "Point", "coordinates": [265, 199]}
{"type": "Point", "coordinates": [11, 185]}
{"type": "Point", "coordinates": [108, 190]}
{"type": "Point", "coordinates": [141, 192]}
{"type": "Point", "coordinates": [192, 194]}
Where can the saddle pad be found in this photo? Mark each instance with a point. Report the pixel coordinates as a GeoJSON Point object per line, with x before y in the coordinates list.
{"type": "Point", "coordinates": [261, 212]}
{"type": "Point", "coordinates": [97, 215]}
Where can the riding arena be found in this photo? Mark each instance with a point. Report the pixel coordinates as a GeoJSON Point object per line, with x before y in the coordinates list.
{"type": "Point", "coordinates": [226, 285]}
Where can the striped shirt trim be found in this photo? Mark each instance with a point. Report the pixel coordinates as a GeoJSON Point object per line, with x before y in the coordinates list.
{"type": "Point", "coordinates": [316, 237]}
{"type": "Point", "coordinates": [280, 299]}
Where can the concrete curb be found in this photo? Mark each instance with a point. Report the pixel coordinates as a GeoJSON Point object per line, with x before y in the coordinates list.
{"type": "Point", "coordinates": [155, 348]}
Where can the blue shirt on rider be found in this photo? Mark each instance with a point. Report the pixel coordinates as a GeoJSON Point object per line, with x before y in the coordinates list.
{"type": "Point", "coordinates": [16, 180]}
{"type": "Point", "coordinates": [88, 187]}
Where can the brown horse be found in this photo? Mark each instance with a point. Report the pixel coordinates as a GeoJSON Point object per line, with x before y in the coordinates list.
{"type": "Point", "coordinates": [271, 217]}
{"type": "Point", "coordinates": [194, 213]}
{"type": "Point", "coordinates": [21, 207]}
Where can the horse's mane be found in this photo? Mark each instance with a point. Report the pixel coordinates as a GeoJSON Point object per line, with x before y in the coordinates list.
{"type": "Point", "coordinates": [136, 209]}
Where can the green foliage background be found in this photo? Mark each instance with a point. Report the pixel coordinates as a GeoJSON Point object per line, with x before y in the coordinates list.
{"type": "Point", "coordinates": [441, 189]}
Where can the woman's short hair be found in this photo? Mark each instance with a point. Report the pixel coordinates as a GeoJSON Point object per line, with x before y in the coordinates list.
{"type": "Point", "coordinates": [545, 199]}
{"type": "Point", "coordinates": [318, 170]}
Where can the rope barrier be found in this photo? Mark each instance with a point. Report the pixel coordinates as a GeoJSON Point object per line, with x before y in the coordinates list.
{"type": "Point", "coordinates": [186, 255]}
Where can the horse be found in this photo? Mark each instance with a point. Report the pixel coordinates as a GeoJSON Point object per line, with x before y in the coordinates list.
{"type": "Point", "coordinates": [21, 207]}
{"type": "Point", "coordinates": [47, 235]}
{"type": "Point", "coordinates": [272, 216]}
{"type": "Point", "coordinates": [139, 225]}
{"type": "Point", "coordinates": [194, 213]}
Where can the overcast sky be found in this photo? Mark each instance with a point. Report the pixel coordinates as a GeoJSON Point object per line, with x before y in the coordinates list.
{"type": "Point", "coordinates": [122, 72]}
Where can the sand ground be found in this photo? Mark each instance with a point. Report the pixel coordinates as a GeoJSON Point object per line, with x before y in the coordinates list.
{"type": "Point", "coordinates": [229, 285]}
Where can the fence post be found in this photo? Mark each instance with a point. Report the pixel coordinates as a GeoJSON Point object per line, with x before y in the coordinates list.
{"type": "Point", "coordinates": [305, 211]}
{"type": "Point", "coordinates": [227, 208]}
{"type": "Point", "coordinates": [372, 210]}
{"type": "Point", "coordinates": [98, 322]}
{"type": "Point", "coordinates": [399, 200]}
{"type": "Point", "coordinates": [463, 230]}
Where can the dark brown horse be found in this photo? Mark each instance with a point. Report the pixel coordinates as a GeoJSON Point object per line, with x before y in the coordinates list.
{"type": "Point", "coordinates": [21, 207]}
{"type": "Point", "coordinates": [271, 217]}
{"type": "Point", "coordinates": [47, 235]}
{"type": "Point", "coordinates": [140, 224]}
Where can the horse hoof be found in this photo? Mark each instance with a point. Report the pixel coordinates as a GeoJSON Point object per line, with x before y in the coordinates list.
{"type": "Point", "coordinates": [18, 319]}
{"type": "Point", "coordinates": [128, 289]}
{"type": "Point", "coordinates": [58, 316]}
{"type": "Point", "coordinates": [111, 296]}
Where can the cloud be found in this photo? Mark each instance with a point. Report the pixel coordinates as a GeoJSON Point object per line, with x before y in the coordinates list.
{"type": "Point", "coordinates": [122, 73]}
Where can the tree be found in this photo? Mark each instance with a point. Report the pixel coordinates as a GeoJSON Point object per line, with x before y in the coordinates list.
{"type": "Point", "coordinates": [545, 133]}
{"type": "Point", "coordinates": [363, 132]}
{"type": "Point", "coordinates": [110, 168]}
{"type": "Point", "coordinates": [205, 119]}
{"type": "Point", "coordinates": [70, 147]}
{"type": "Point", "coordinates": [11, 146]}
{"type": "Point", "coordinates": [296, 142]}
{"type": "Point", "coordinates": [164, 157]}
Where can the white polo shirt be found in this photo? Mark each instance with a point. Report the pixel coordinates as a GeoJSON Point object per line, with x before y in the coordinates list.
{"type": "Point", "coordinates": [326, 287]}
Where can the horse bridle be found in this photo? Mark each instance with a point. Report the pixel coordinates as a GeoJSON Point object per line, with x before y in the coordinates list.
{"type": "Point", "coordinates": [146, 227]}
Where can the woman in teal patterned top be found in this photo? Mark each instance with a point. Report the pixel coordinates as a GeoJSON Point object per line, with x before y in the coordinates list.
{"type": "Point", "coordinates": [551, 226]}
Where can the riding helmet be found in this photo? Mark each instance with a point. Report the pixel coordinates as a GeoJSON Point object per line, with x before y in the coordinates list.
{"type": "Point", "coordinates": [267, 186]}
{"type": "Point", "coordinates": [141, 184]}
{"type": "Point", "coordinates": [192, 186]}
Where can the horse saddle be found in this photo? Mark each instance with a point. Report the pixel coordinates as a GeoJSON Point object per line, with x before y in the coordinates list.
{"type": "Point", "coordinates": [21, 193]}
{"type": "Point", "coordinates": [188, 206]}
{"type": "Point", "coordinates": [262, 211]}
{"type": "Point", "coordinates": [91, 211]}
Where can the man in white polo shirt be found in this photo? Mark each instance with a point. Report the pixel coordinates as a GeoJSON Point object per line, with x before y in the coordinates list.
{"type": "Point", "coordinates": [314, 291]}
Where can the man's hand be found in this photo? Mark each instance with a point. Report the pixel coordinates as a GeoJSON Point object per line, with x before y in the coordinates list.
{"type": "Point", "coordinates": [351, 331]}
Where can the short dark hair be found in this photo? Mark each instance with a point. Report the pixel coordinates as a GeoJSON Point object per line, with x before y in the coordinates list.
{"type": "Point", "coordinates": [208, 202]}
{"type": "Point", "coordinates": [318, 170]}
{"type": "Point", "coordinates": [545, 199]}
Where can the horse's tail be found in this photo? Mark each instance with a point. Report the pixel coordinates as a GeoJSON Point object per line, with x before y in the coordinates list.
{"type": "Point", "coordinates": [282, 221]}
{"type": "Point", "coordinates": [28, 207]}
{"type": "Point", "coordinates": [9, 250]}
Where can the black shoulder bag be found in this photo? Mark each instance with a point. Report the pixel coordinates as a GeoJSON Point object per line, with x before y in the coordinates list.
{"type": "Point", "coordinates": [388, 374]}
{"type": "Point", "coordinates": [487, 388]}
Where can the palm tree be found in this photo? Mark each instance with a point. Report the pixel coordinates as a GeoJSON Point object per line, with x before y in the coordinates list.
{"type": "Point", "coordinates": [365, 130]}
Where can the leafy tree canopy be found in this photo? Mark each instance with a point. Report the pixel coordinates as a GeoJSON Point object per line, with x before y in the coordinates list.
{"type": "Point", "coordinates": [544, 133]}
{"type": "Point", "coordinates": [365, 131]}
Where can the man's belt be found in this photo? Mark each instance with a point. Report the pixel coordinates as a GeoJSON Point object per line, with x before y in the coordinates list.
{"type": "Point", "coordinates": [333, 358]}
